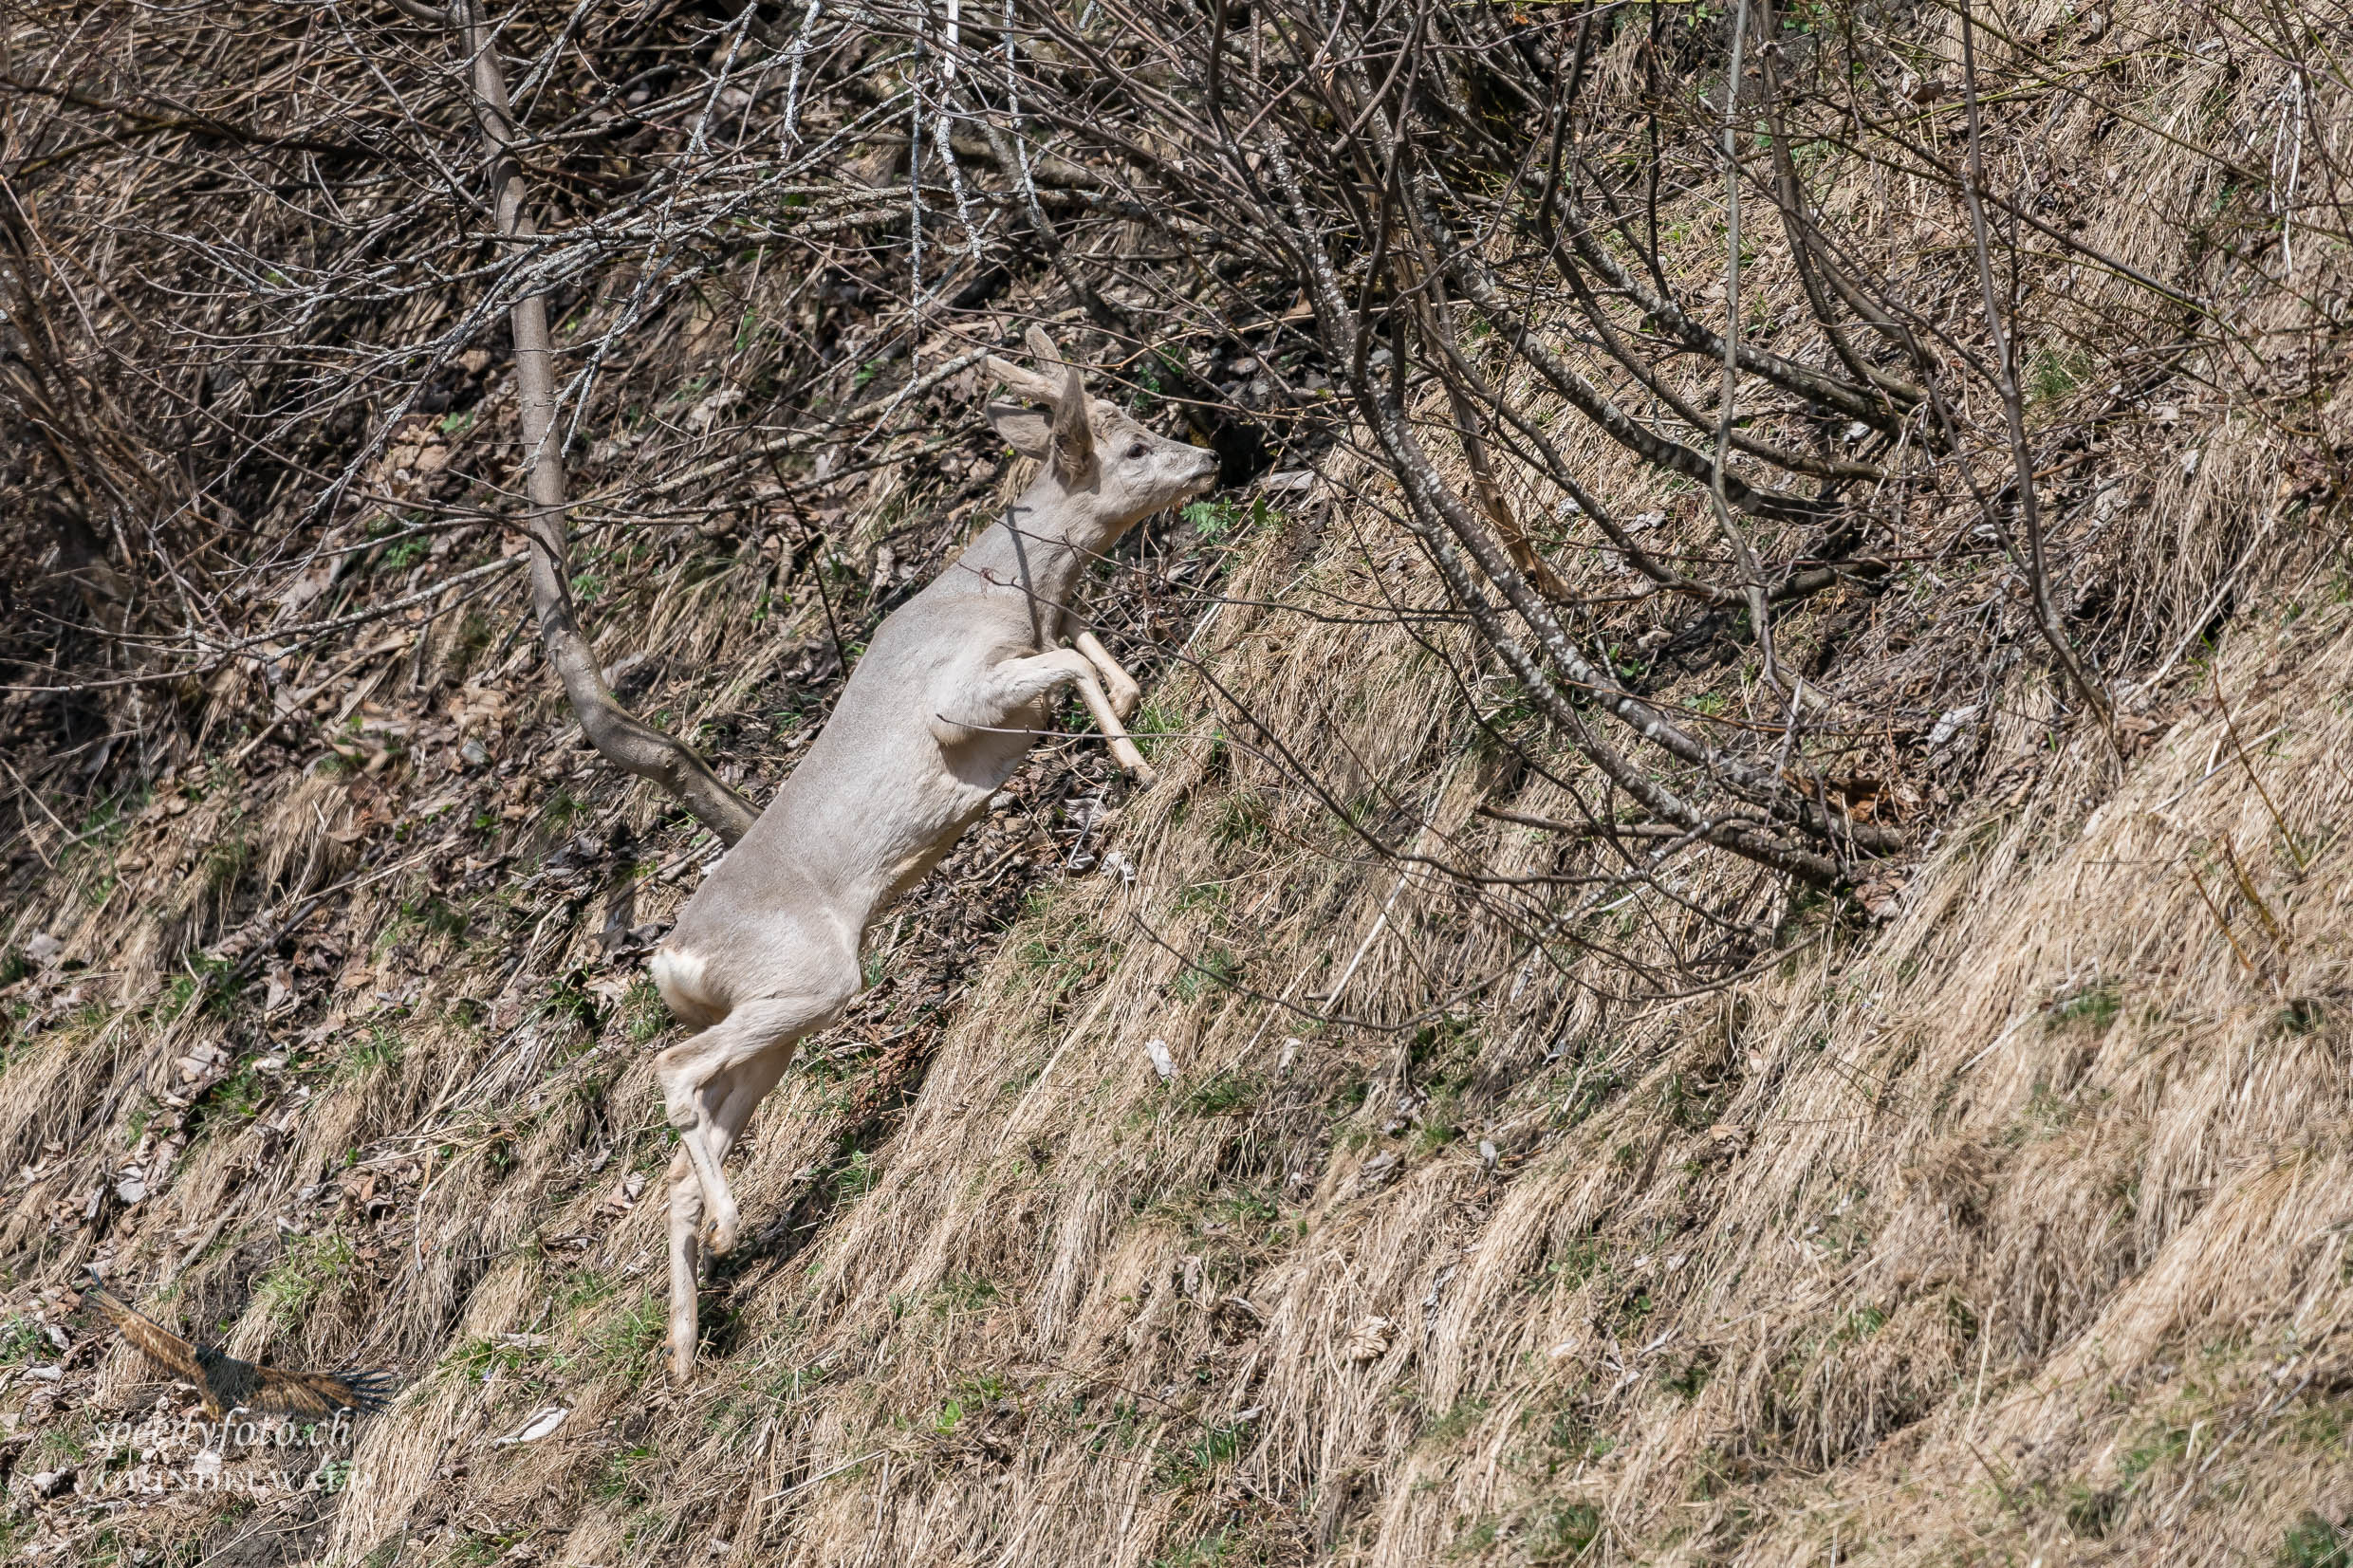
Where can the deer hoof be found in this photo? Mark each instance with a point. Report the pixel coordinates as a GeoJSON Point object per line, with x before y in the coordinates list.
{"type": "Point", "coordinates": [719, 1235]}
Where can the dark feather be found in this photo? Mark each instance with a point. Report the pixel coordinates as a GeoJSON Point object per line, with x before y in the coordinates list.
{"type": "Point", "coordinates": [227, 1383]}
{"type": "Point", "coordinates": [160, 1344]}
{"type": "Point", "coordinates": [320, 1392]}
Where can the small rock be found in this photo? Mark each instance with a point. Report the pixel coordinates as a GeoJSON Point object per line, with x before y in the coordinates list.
{"type": "Point", "coordinates": [44, 948]}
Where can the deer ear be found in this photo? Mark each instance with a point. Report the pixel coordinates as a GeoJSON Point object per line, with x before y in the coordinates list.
{"type": "Point", "coordinates": [1027, 433]}
{"type": "Point", "coordinates": [1074, 432]}
{"type": "Point", "coordinates": [1041, 349]}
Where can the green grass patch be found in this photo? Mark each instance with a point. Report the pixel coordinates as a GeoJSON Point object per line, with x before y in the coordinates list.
{"type": "Point", "coordinates": [20, 1342]}
{"type": "Point", "coordinates": [376, 1050]}
{"type": "Point", "coordinates": [1153, 725]}
{"type": "Point", "coordinates": [620, 1477]}
{"type": "Point", "coordinates": [1214, 968]}
{"type": "Point", "coordinates": [1225, 1094]}
{"type": "Point", "coordinates": [311, 1267]}
{"type": "Point", "coordinates": [2095, 1006]}
{"type": "Point", "coordinates": [643, 1014]}
{"type": "Point", "coordinates": [625, 1343]}
{"type": "Point", "coordinates": [2313, 1542]}
{"type": "Point", "coordinates": [1562, 1533]}
{"type": "Point", "coordinates": [1212, 1448]}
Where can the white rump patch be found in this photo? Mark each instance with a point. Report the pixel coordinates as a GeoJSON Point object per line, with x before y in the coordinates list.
{"type": "Point", "coordinates": [679, 976]}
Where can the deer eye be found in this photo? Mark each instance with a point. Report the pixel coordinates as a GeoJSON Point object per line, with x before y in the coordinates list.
{"type": "Point", "coordinates": [1135, 452]}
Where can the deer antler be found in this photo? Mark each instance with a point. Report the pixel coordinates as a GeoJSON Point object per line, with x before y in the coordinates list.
{"type": "Point", "coordinates": [1038, 385]}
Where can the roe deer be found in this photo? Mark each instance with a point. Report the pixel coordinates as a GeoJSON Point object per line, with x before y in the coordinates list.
{"type": "Point", "coordinates": [951, 693]}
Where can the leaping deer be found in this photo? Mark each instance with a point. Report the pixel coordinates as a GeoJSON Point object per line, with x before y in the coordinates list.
{"type": "Point", "coordinates": [951, 693]}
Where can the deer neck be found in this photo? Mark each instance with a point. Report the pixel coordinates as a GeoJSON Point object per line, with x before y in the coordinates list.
{"type": "Point", "coordinates": [1041, 548]}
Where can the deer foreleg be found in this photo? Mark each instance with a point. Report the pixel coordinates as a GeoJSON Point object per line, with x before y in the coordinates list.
{"type": "Point", "coordinates": [1017, 683]}
{"type": "Point", "coordinates": [1117, 683]}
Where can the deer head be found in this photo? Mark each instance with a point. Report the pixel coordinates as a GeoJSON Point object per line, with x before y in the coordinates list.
{"type": "Point", "coordinates": [1111, 471]}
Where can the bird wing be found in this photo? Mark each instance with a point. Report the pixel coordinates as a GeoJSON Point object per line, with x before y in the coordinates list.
{"type": "Point", "coordinates": [320, 1392]}
{"type": "Point", "coordinates": [160, 1343]}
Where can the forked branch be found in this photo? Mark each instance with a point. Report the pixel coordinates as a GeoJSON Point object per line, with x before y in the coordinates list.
{"type": "Point", "coordinates": [618, 735]}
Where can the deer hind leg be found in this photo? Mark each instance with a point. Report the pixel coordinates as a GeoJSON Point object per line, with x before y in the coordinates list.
{"type": "Point", "coordinates": [730, 1099]}
{"type": "Point", "coordinates": [706, 1076]}
{"type": "Point", "coordinates": [686, 1217]}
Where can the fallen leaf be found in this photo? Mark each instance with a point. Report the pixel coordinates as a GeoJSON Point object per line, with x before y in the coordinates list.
{"type": "Point", "coordinates": [623, 1196]}
{"type": "Point", "coordinates": [611, 986]}
{"type": "Point", "coordinates": [543, 1421]}
{"type": "Point", "coordinates": [1163, 1063]}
